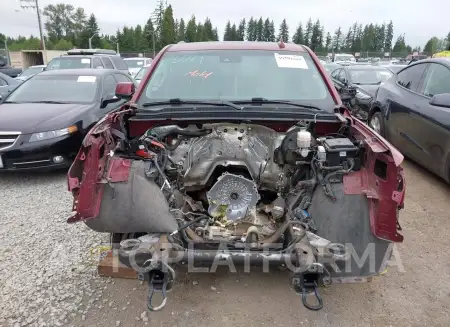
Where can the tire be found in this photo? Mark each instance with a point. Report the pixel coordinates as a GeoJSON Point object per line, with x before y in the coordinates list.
{"type": "Point", "coordinates": [376, 122]}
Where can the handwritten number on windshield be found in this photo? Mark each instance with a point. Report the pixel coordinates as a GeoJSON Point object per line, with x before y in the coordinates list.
{"type": "Point", "coordinates": [197, 73]}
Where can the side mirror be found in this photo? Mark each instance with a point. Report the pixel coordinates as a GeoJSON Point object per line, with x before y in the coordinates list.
{"type": "Point", "coordinates": [441, 100]}
{"type": "Point", "coordinates": [1, 98]}
{"type": "Point", "coordinates": [108, 100]}
{"type": "Point", "coordinates": [125, 90]}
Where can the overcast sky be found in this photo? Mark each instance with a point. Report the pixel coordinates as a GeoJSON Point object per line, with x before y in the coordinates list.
{"type": "Point", "coordinates": [419, 20]}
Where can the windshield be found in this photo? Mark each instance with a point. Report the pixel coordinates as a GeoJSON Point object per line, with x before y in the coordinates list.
{"type": "Point", "coordinates": [31, 71]}
{"type": "Point", "coordinates": [369, 76]}
{"type": "Point", "coordinates": [68, 88]}
{"type": "Point", "coordinates": [69, 62]}
{"type": "Point", "coordinates": [238, 75]}
{"type": "Point", "coordinates": [140, 75]}
{"type": "Point", "coordinates": [134, 63]}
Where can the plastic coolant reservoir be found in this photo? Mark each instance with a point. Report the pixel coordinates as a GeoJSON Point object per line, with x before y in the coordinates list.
{"type": "Point", "coordinates": [304, 142]}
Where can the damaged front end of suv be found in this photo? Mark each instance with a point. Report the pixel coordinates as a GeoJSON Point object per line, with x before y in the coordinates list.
{"type": "Point", "coordinates": [239, 178]}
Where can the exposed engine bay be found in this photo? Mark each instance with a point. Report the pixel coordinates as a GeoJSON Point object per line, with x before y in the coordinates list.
{"type": "Point", "coordinates": [241, 192]}
{"type": "Point", "coordinates": [242, 184]}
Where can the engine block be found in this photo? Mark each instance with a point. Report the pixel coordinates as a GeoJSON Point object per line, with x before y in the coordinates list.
{"type": "Point", "coordinates": [249, 146]}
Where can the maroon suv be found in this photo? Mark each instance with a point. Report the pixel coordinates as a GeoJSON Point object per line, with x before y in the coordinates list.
{"type": "Point", "coordinates": [240, 153]}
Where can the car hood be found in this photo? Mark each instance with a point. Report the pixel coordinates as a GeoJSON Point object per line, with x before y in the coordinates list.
{"type": "Point", "coordinates": [369, 89]}
{"type": "Point", "coordinates": [30, 118]}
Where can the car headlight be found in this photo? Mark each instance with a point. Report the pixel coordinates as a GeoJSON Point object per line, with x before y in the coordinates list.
{"type": "Point", "coordinates": [362, 96]}
{"type": "Point", "coordinates": [52, 134]}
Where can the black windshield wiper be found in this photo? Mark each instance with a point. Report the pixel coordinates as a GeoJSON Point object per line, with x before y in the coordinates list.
{"type": "Point", "coordinates": [50, 102]}
{"type": "Point", "coordinates": [178, 101]}
{"type": "Point", "coordinates": [267, 101]}
{"type": "Point", "coordinates": [374, 83]}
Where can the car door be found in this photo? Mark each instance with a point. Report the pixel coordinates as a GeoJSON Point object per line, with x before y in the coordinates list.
{"type": "Point", "coordinates": [401, 97]}
{"type": "Point", "coordinates": [430, 125]}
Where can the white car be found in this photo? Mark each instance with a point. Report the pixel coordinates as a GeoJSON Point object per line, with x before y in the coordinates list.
{"type": "Point", "coordinates": [30, 71]}
{"type": "Point", "coordinates": [344, 58]}
{"type": "Point", "coordinates": [135, 64]}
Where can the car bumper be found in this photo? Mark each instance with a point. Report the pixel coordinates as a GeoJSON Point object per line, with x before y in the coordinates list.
{"type": "Point", "coordinates": [41, 155]}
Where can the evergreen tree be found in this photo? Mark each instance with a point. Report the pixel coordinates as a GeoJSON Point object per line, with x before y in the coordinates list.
{"type": "Point", "coordinates": [308, 33]}
{"type": "Point", "coordinates": [176, 27]}
{"type": "Point", "coordinates": [316, 36]}
{"type": "Point", "coordinates": [158, 20]}
{"type": "Point", "coordinates": [251, 29]}
{"type": "Point", "coordinates": [148, 32]}
{"type": "Point", "coordinates": [233, 33]}
{"type": "Point", "coordinates": [227, 32]}
{"type": "Point", "coordinates": [349, 40]}
{"type": "Point", "coordinates": [215, 34]}
{"type": "Point", "coordinates": [168, 35]}
{"type": "Point", "coordinates": [337, 39]}
{"type": "Point", "coordinates": [208, 30]}
{"type": "Point", "coordinates": [389, 36]}
{"type": "Point", "coordinates": [260, 30]}
{"type": "Point", "coordinates": [191, 30]}
{"type": "Point", "coordinates": [181, 31]}
{"type": "Point", "coordinates": [267, 31]}
{"type": "Point", "coordinates": [380, 35]}
{"type": "Point", "coordinates": [400, 46]}
{"type": "Point", "coordinates": [91, 30]}
{"type": "Point", "coordinates": [283, 34]}
{"type": "Point", "coordinates": [328, 41]}
{"type": "Point", "coordinates": [272, 32]}
{"type": "Point", "coordinates": [241, 30]}
{"type": "Point", "coordinates": [201, 36]}
{"type": "Point", "coordinates": [298, 37]}
{"type": "Point", "coordinates": [140, 41]}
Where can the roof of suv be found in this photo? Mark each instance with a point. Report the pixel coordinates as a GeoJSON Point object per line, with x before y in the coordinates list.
{"type": "Point", "coordinates": [234, 45]}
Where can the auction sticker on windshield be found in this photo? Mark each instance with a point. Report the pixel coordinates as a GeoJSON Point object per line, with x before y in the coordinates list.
{"type": "Point", "coordinates": [85, 61]}
{"type": "Point", "coordinates": [290, 61]}
{"type": "Point", "coordinates": [86, 79]}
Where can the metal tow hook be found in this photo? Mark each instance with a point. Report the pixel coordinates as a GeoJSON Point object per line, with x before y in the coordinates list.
{"type": "Point", "coordinates": [157, 284]}
{"type": "Point", "coordinates": [308, 286]}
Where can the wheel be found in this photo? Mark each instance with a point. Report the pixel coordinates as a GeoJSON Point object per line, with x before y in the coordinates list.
{"type": "Point", "coordinates": [376, 122]}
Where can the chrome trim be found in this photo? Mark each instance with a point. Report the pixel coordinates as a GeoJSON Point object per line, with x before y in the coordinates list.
{"type": "Point", "coordinates": [17, 134]}
{"type": "Point", "coordinates": [31, 162]}
{"type": "Point", "coordinates": [8, 140]}
{"type": "Point", "coordinates": [10, 133]}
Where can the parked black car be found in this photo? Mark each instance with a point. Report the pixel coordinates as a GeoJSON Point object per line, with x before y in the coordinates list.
{"type": "Point", "coordinates": [365, 79]}
{"type": "Point", "coordinates": [43, 122]}
{"type": "Point", "coordinates": [89, 58]}
{"type": "Point", "coordinates": [412, 111]}
{"type": "Point", "coordinates": [7, 85]}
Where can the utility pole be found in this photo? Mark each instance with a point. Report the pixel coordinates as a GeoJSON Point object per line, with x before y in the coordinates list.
{"type": "Point", "coordinates": [34, 4]}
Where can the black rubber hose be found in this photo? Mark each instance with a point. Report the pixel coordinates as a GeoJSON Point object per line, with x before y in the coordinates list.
{"type": "Point", "coordinates": [188, 224]}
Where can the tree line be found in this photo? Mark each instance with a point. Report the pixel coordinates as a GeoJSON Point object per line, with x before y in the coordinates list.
{"type": "Point", "coordinates": [68, 27]}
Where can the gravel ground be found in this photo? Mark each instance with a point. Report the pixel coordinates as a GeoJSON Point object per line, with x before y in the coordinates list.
{"type": "Point", "coordinates": [47, 273]}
